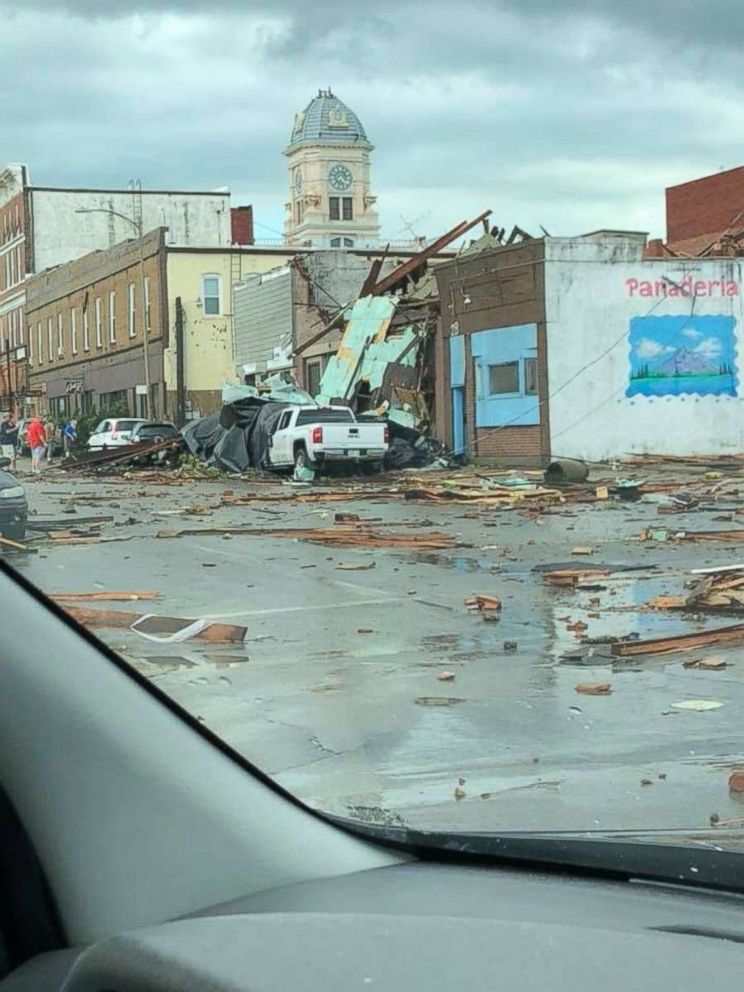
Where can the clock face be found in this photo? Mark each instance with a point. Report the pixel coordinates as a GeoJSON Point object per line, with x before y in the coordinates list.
{"type": "Point", "coordinates": [339, 177]}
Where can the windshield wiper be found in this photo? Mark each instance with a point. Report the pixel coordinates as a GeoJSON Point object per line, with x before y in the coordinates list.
{"type": "Point", "coordinates": [619, 856]}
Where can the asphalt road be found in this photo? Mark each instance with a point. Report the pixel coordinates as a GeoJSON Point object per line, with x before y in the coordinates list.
{"type": "Point", "coordinates": [335, 691]}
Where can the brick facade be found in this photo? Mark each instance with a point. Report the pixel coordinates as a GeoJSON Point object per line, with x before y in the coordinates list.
{"type": "Point", "coordinates": [84, 324]}
{"type": "Point", "coordinates": [13, 266]}
{"type": "Point", "coordinates": [705, 207]}
{"type": "Point", "coordinates": [496, 288]}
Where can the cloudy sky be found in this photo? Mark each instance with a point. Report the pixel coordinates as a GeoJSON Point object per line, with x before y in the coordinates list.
{"type": "Point", "coordinates": [574, 115]}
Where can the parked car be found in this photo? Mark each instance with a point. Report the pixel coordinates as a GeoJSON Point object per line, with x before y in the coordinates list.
{"type": "Point", "coordinates": [113, 432]}
{"type": "Point", "coordinates": [13, 505]}
{"type": "Point", "coordinates": [310, 436]}
{"type": "Point", "coordinates": [150, 432]}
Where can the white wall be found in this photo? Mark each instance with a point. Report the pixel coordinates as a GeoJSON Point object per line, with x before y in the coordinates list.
{"type": "Point", "coordinates": [593, 290]}
{"type": "Point", "coordinates": [60, 234]}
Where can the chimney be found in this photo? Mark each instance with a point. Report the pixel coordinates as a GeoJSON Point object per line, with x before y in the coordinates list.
{"type": "Point", "coordinates": [241, 225]}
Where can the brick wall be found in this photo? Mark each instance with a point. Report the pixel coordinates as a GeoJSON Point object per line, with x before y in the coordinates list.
{"type": "Point", "coordinates": [84, 287]}
{"type": "Point", "coordinates": [241, 225]}
{"type": "Point", "coordinates": [705, 206]}
{"type": "Point", "coordinates": [512, 445]}
{"type": "Point", "coordinates": [502, 287]}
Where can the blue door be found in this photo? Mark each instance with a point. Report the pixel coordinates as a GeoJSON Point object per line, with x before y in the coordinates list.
{"type": "Point", "coordinates": [457, 385]}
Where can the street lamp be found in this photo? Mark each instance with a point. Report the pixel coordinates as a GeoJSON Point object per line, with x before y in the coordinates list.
{"type": "Point", "coordinates": [137, 225]}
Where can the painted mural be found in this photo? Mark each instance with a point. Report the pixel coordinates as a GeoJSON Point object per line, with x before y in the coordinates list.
{"type": "Point", "coordinates": [671, 356]}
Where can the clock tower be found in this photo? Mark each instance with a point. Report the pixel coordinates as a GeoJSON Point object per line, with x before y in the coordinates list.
{"type": "Point", "coordinates": [330, 201]}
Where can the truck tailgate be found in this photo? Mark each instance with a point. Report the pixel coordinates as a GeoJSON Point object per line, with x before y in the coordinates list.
{"type": "Point", "coordinates": [353, 436]}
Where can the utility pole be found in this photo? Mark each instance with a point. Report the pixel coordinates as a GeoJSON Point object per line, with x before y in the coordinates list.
{"type": "Point", "coordinates": [11, 398]}
{"type": "Point", "coordinates": [135, 185]}
{"type": "Point", "coordinates": [180, 367]}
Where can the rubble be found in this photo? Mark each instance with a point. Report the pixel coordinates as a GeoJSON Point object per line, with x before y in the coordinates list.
{"type": "Point", "coordinates": [109, 596]}
{"type": "Point", "coordinates": [150, 625]}
{"type": "Point", "coordinates": [594, 688]}
{"type": "Point", "coordinates": [720, 592]}
{"type": "Point", "coordinates": [344, 535]}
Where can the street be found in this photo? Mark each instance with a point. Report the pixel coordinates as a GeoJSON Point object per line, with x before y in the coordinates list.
{"type": "Point", "coordinates": [336, 691]}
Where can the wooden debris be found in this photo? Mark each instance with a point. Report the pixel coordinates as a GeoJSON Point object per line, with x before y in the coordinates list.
{"type": "Point", "coordinates": [343, 535]}
{"type": "Point", "coordinates": [698, 536]}
{"type": "Point", "coordinates": [446, 676]}
{"type": "Point", "coordinates": [582, 551]}
{"type": "Point", "coordinates": [483, 604]}
{"type": "Point", "coordinates": [119, 619]}
{"type": "Point", "coordinates": [594, 688]}
{"type": "Point", "coordinates": [708, 664]}
{"type": "Point", "coordinates": [573, 577]}
{"type": "Point", "coordinates": [16, 545]}
{"type": "Point", "coordinates": [107, 596]}
{"type": "Point", "coordinates": [717, 592]}
{"type": "Point", "coordinates": [682, 642]}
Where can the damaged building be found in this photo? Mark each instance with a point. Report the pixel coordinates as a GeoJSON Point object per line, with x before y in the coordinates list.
{"type": "Point", "coordinates": [586, 348]}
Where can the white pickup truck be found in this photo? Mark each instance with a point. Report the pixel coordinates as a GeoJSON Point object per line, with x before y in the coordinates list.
{"type": "Point", "coordinates": [310, 436]}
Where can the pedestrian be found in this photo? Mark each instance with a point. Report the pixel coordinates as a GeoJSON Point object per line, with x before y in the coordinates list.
{"type": "Point", "coordinates": [50, 431]}
{"type": "Point", "coordinates": [69, 436]}
{"type": "Point", "coordinates": [37, 444]}
{"type": "Point", "coordinates": [9, 439]}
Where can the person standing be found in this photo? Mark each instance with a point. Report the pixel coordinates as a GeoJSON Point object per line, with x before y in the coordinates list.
{"type": "Point", "coordinates": [37, 444]}
{"type": "Point", "coordinates": [69, 437]}
{"type": "Point", "coordinates": [9, 439]}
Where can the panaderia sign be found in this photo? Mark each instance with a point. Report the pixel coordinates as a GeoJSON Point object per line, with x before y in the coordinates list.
{"type": "Point", "coordinates": [688, 287]}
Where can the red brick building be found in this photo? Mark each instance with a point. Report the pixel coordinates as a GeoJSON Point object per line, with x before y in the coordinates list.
{"type": "Point", "coordinates": [704, 217]}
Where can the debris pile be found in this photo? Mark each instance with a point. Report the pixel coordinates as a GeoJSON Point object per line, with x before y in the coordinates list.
{"type": "Point", "coordinates": [721, 591]}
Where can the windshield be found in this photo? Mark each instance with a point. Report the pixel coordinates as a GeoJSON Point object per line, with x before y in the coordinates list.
{"type": "Point", "coordinates": [507, 593]}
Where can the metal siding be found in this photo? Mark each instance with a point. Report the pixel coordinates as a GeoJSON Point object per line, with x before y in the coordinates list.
{"type": "Point", "coordinates": [507, 344]}
{"type": "Point", "coordinates": [263, 318]}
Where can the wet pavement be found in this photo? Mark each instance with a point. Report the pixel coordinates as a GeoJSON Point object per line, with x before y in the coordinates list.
{"type": "Point", "coordinates": [335, 691]}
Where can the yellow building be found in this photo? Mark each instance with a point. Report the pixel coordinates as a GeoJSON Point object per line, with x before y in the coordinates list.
{"type": "Point", "coordinates": [203, 281]}
{"type": "Point", "coordinates": [91, 322]}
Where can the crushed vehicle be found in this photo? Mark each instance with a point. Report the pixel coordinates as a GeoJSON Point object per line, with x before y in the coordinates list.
{"type": "Point", "coordinates": [13, 505]}
{"type": "Point", "coordinates": [312, 436]}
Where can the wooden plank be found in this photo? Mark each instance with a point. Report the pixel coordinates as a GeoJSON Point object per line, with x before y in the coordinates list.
{"type": "Point", "coordinates": [412, 264]}
{"type": "Point", "coordinates": [109, 596]}
{"type": "Point", "coordinates": [683, 642]}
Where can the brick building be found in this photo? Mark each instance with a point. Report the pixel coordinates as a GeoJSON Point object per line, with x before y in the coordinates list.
{"type": "Point", "coordinates": [704, 217]}
{"type": "Point", "coordinates": [491, 391]}
{"type": "Point", "coordinates": [85, 323]}
{"type": "Point", "coordinates": [43, 226]}
{"type": "Point", "coordinates": [699, 212]}
{"type": "Point", "coordinates": [13, 267]}
{"type": "Point", "coordinates": [587, 348]}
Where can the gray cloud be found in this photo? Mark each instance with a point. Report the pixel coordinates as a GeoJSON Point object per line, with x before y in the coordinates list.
{"type": "Point", "coordinates": [574, 117]}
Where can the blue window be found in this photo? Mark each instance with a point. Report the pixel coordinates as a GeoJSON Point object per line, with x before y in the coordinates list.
{"type": "Point", "coordinates": [505, 366]}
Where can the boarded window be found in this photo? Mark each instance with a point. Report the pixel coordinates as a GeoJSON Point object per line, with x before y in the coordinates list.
{"type": "Point", "coordinates": [313, 378]}
{"type": "Point", "coordinates": [530, 376]}
{"type": "Point", "coordinates": [503, 378]}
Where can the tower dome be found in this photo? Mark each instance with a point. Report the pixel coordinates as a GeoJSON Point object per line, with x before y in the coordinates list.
{"type": "Point", "coordinates": [327, 120]}
{"type": "Point", "coordinates": [331, 203]}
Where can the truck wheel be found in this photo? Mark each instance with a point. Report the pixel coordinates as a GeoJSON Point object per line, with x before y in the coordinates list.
{"type": "Point", "coordinates": [301, 459]}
